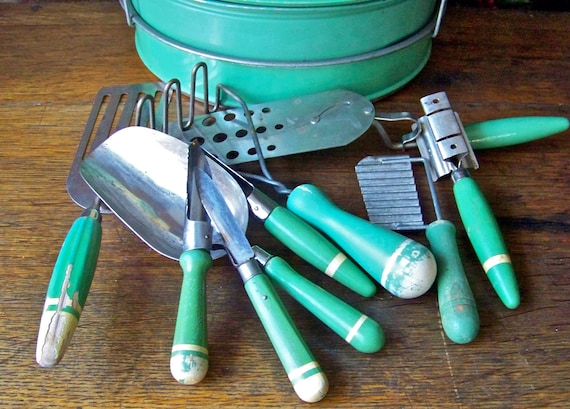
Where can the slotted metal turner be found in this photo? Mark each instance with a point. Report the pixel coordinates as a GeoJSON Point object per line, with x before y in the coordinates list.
{"type": "Point", "coordinates": [74, 268]}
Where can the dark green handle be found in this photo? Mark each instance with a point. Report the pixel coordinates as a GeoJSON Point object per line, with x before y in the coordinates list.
{"type": "Point", "coordinates": [356, 328]}
{"type": "Point", "coordinates": [405, 268]}
{"type": "Point", "coordinates": [304, 372]}
{"type": "Point", "coordinates": [68, 287]}
{"type": "Point", "coordinates": [189, 357]}
{"type": "Point", "coordinates": [487, 240]}
{"type": "Point", "coordinates": [511, 131]}
{"type": "Point", "coordinates": [457, 307]}
{"type": "Point", "coordinates": [314, 248]}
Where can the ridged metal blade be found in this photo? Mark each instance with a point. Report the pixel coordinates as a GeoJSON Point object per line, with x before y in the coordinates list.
{"type": "Point", "coordinates": [389, 191]}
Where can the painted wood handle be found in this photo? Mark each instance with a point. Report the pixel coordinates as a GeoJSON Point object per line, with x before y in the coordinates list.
{"type": "Point", "coordinates": [189, 356]}
{"type": "Point", "coordinates": [68, 287]}
{"type": "Point", "coordinates": [404, 267]}
{"type": "Point", "coordinates": [304, 372]}
{"type": "Point", "coordinates": [457, 307]}
{"type": "Point", "coordinates": [502, 132]}
{"type": "Point", "coordinates": [318, 251]}
{"type": "Point", "coordinates": [487, 240]}
{"type": "Point", "coordinates": [356, 328]}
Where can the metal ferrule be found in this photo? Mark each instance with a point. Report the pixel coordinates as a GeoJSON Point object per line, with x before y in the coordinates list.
{"type": "Point", "coordinates": [260, 204]}
{"type": "Point", "coordinates": [93, 211]}
{"type": "Point", "coordinates": [197, 235]}
{"type": "Point", "coordinates": [460, 173]}
{"type": "Point", "coordinates": [249, 269]}
{"type": "Point", "coordinates": [261, 255]}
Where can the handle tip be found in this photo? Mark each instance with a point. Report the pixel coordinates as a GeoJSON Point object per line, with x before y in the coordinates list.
{"type": "Point", "coordinates": [410, 272]}
{"type": "Point", "coordinates": [55, 333]}
{"type": "Point", "coordinates": [503, 280]}
{"type": "Point", "coordinates": [370, 337]}
{"type": "Point", "coordinates": [188, 368]}
{"type": "Point", "coordinates": [312, 389]}
{"type": "Point", "coordinates": [460, 322]}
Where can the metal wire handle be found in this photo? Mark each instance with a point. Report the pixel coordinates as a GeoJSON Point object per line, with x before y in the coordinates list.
{"type": "Point", "coordinates": [173, 87]}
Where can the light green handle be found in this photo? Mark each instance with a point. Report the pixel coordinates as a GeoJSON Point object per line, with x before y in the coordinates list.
{"type": "Point", "coordinates": [304, 372]}
{"type": "Point", "coordinates": [356, 328]}
{"type": "Point", "coordinates": [189, 357]}
{"type": "Point", "coordinates": [457, 307]}
{"type": "Point", "coordinates": [487, 240]}
{"type": "Point", "coordinates": [405, 268]}
{"type": "Point", "coordinates": [511, 131]}
{"type": "Point", "coordinates": [314, 248]}
{"type": "Point", "coordinates": [68, 287]}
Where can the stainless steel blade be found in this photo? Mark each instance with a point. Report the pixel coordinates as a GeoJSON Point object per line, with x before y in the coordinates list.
{"type": "Point", "coordinates": [140, 174]}
{"type": "Point", "coordinates": [235, 241]}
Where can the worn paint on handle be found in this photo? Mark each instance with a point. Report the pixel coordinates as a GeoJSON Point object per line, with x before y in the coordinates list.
{"type": "Point", "coordinates": [68, 288]}
{"type": "Point", "coordinates": [404, 267]}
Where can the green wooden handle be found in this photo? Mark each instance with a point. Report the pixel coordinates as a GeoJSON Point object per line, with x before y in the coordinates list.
{"type": "Point", "coordinates": [405, 268]}
{"type": "Point", "coordinates": [68, 287]}
{"type": "Point", "coordinates": [511, 131]}
{"type": "Point", "coordinates": [356, 328]}
{"type": "Point", "coordinates": [487, 240]}
{"type": "Point", "coordinates": [189, 357]}
{"type": "Point", "coordinates": [314, 248]}
{"type": "Point", "coordinates": [457, 307]}
{"type": "Point", "coordinates": [304, 372]}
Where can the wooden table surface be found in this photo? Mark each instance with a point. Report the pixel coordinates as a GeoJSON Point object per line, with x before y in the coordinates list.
{"type": "Point", "coordinates": [55, 56]}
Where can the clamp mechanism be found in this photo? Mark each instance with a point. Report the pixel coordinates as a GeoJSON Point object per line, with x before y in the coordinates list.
{"type": "Point", "coordinates": [441, 138]}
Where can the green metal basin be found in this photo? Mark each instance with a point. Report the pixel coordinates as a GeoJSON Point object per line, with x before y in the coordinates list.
{"type": "Point", "coordinates": [272, 49]}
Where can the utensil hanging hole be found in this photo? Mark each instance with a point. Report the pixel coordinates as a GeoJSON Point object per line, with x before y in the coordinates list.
{"type": "Point", "coordinates": [252, 151]}
{"type": "Point", "coordinates": [261, 129]}
{"type": "Point", "coordinates": [232, 155]}
{"type": "Point", "coordinates": [271, 147]}
{"type": "Point", "coordinates": [266, 110]}
{"type": "Point", "coordinates": [435, 100]}
{"type": "Point", "coordinates": [279, 126]}
{"type": "Point", "coordinates": [198, 139]}
{"type": "Point", "coordinates": [209, 121]}
{"type": "Point", "coordinates": [229, 117]}
{"type": "Point", "coordinates": [241, 133]}
{"type": "Point", "coordinates": [453, 146]}
{"type": "Point", "coordinates": [220, 137]}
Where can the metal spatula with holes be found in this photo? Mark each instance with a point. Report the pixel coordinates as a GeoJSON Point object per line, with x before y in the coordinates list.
{"type": "Point", "coordinates": [302, 124]}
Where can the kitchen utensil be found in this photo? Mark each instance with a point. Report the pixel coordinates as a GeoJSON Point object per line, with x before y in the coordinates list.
{"type": "Point", "coordinates": [304, 372]}
{"type": "Point", "coordinates": [301, 238]}
{"type": "Point", "coordinates": [141, 175]}
{"type": "Point", "coordinates": [298, 47]}
{"type": "Point", "coordinates": [74, 268]}
{"type": "Point", "coordinates": [443, 142]}
{"type": "Point", "coordinates": [356, 328]}
{"type": "Point", "coordinates": [494, 133]}
{"type": "Point", "coordinates": [247, 133]}
{"type": "Point", "coordinates": [389, 190]}
{"type": "Point", "coordinates": [404, 267]}
{"type": "Point", "coordinates": [301, 124]}
{"type": "Point", "coordinates": [189, 357]}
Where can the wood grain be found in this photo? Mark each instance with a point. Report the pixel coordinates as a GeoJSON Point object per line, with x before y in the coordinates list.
{"type": "Point", "coordinates": [55, 56]}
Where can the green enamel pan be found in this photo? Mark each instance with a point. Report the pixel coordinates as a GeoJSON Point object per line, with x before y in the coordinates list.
{"type": "Point", "coordinates": [273, 49]}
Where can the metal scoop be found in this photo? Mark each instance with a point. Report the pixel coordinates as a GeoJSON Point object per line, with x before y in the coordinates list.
{"type": "Point", "coordinates": [140, 174]}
